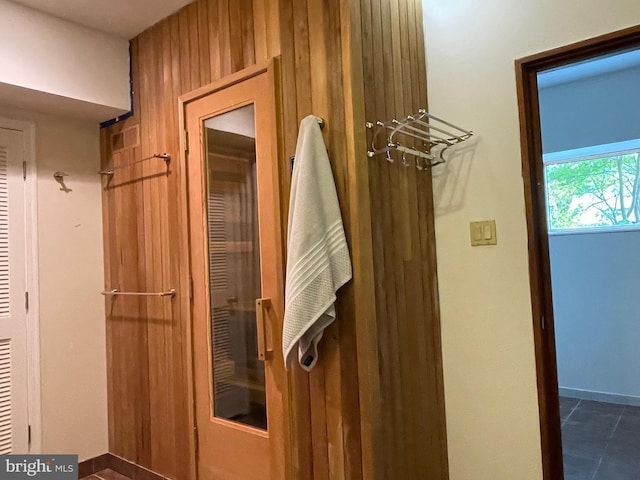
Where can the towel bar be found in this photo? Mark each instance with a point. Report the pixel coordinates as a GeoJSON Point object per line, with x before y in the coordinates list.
{"type": "Point", "coordinates": [115, 292]}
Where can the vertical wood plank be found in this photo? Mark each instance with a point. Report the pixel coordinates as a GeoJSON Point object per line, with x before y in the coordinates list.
{"type": "Point", "coordinates": [195, 42]}
{"type": "Point", "coordinates": [203, 42]}
{"type": "Point", "coordinates": [345, 61]}
{"type": "Point", "coordinates": [259, 16]}
{"type": "Point", "coordinates": [247, 33]}
{"type": "Point", "coordinates": [235, 35]}
{"type": "Point", "coordinates": [274, 27]}
{"type": "Point", "coordinates": [225, 47]}
{"type": "Point", "coordinates": [215, 64]}
{"type": "Point", "coordinates": [184, 37]}
{"type": "Point", "coordinates": [349, 459]}
{"type": "Point", "coordinates": [302, 73]}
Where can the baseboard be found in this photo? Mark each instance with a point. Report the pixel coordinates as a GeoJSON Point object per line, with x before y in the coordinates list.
{"type": "Point", "coordinates": [117, 464]}
{"type": "Point", "coordinates": [600, 396]}
{"type": "Point", "coordinates": [93, 465]}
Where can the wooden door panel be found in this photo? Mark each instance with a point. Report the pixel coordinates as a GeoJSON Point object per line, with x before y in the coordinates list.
{"type": "Point", "coordinates": [236, 257]}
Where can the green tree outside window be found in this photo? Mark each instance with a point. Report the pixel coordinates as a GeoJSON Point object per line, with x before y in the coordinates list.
{"type": "Point", "coordinates": [596, 192]}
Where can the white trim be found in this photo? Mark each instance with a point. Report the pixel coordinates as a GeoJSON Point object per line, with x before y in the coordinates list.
{"type": "Point", "coordinates": [592, 152]}
{"type": "Point", "coordinates": [599, 396]}
{"type": "Point", "coordinates": [31, 250]}
{"type": "Point", "coordinates": [578, 155]}
{"type": "Point", "coordinates": [594, 230]}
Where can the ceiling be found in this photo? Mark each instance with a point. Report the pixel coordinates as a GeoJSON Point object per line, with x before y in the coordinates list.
{"type": "Point", "coordinates": [122, 18]}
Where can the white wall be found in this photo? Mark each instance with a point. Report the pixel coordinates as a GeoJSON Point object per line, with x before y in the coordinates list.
{"type": "Point", "coordinates": [594, 275]}
{"type": "Point", "coordinates": [43, 53]}
{"type": "Point", "coordinates": [489, 364]}
{"type": "Point", "coordinates": [597, 311]}
{"type": "Point", "coordinates": [72, 328]}
{"type": "Point", "coordinates": [591, 111]}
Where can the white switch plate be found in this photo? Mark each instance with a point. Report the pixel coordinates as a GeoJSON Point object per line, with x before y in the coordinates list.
{"type": "Point", "coordinates": [483, 232]}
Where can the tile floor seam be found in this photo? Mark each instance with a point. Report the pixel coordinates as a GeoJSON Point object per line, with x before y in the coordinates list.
{"type": "Point", "coordinates": [595, 472]}
{"type": "Point", "coordinates": [608, 461]}
{"type": "Point", "coordinates": [571, 413]}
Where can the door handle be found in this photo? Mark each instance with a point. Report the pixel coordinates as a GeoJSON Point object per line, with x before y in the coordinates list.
{"type": "Point", "coordinates": [262, 304]}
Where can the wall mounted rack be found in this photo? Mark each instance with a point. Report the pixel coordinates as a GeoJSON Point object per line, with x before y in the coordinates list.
{"type": "Point", "coordinates": [165, 157]}
{"type": "Point", "coordinates": [434, 135]}
{"type": "Point", "coordinates": [115, 292]}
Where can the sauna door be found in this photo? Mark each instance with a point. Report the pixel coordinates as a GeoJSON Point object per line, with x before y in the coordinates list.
{"type": "Point", "coordinates": [236, 266]}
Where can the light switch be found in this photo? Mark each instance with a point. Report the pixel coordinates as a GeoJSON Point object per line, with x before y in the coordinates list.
{"type": "Point", "coordinates": [483, 233]}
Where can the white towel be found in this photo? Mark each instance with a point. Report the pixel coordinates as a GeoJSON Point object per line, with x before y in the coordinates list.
{"type": "Point", "coordinates": [318, 262]}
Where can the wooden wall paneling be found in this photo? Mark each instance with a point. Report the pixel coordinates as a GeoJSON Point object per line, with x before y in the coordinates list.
{"type": "Point", "coordinates": [214, 42]}
{"type": "Point", "coordinates": [438, 436]}
{"type": "Point", "coordinates": [247, 31]}
{"type": "Point", "coordinates": [360, 236]}
{"type": "Point", "coordinates": [422, 351]}
{"type": "Point", "coordinates": [274, 27]}
{"type": "Point", "coordinates": [395, 190]}
{"type": "Point", "coordinates": [301, 459]}
{"type": "Point", "coordinates": [224, 37]}
{"type": "Point", "coordinates": [235, 36]}
{"type": "Point", "coordinates": [260, 34]}
{"type": "Point", "coordinates": [151, 206]}
{"type": "Point", "coordinates": [382, 222]}
{"type": "Point", "coordinates": [176, 402]}
{"type": "Point", "coordinates": [346, 413]}
{"type": "Point", "coordinates": [144, 436]}
{"type": "Point", "coordinates": [346, 61]}
{"type": "Point", "coordinates": [332, 414]}
{"type": "Point", "coordinates": [350, 402]}
{"type": "Point", "coordinates": [203, 42]}
{"type": "Point", "coordinates": [410, 313]}
{"type": "Point", "coordinates": [402, 246]}
{"type": "Point", "coordinates": [185, 48]}
{"type": "Point", "coordinates": [150, 403]}
{"type": "Point", "coordinates": [317, 22]}
{"type": "Point", "coordinates": [126, 335]}
{"type": "Point", "coordinates": [317, 396]}
{"type": "Point", "coordinates": [194, 44]}
{"type": "Point", "coordinates": [179, 255]}
{"type": "Point", "coordinates": [107, 233]}
{"type": "Point", "coordinates": [266, 29]}
{"type": "Point", "coordinates": [372, 362]}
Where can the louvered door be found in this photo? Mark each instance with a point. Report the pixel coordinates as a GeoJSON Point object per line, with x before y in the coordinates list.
{"type": "Point", "coordinates": [236, 263]}
{"type": "Point", "coordinates": [13, 350]}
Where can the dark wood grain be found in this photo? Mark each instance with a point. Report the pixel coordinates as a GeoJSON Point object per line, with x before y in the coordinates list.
{"type": "Point", "coordinates": [407, 315]}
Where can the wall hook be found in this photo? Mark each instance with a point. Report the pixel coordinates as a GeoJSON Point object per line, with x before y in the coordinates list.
{"type": "Point", "coordinates": [59, 177]}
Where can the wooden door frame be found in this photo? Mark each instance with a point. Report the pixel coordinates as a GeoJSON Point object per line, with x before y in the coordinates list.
{"type": "Point", "coordinates": [293, 400]}
{"type": "Point", "coordinates": [539, 264]}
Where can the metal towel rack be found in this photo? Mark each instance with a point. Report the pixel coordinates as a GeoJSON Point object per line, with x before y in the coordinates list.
{"type": "Point", "coordinates": [165, 157]}
{"type": "Point", "coordinates": [115, 292]}
{"type": "Point", "coordinates": [437, 136]}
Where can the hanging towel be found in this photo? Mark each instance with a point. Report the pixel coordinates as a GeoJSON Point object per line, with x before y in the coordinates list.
{"type": "Point", "coordinates": [318, 262]}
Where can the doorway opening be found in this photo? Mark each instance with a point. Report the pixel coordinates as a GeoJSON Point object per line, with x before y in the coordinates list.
{"type": "Point", "coordinates": [580, 137]}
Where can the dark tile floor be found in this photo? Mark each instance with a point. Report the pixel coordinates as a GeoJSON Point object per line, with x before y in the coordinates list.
{"type": "Point", "coordinates": [107, 474]}
{"type": "Point", "coordinates": [601, 441]}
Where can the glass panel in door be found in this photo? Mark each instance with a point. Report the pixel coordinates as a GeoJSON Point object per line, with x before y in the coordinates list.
{"type": "Point", "coordinates": [238, 377]}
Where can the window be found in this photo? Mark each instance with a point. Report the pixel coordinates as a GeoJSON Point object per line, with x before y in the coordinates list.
{"type": "Point", "coordinates": [594, 187]}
